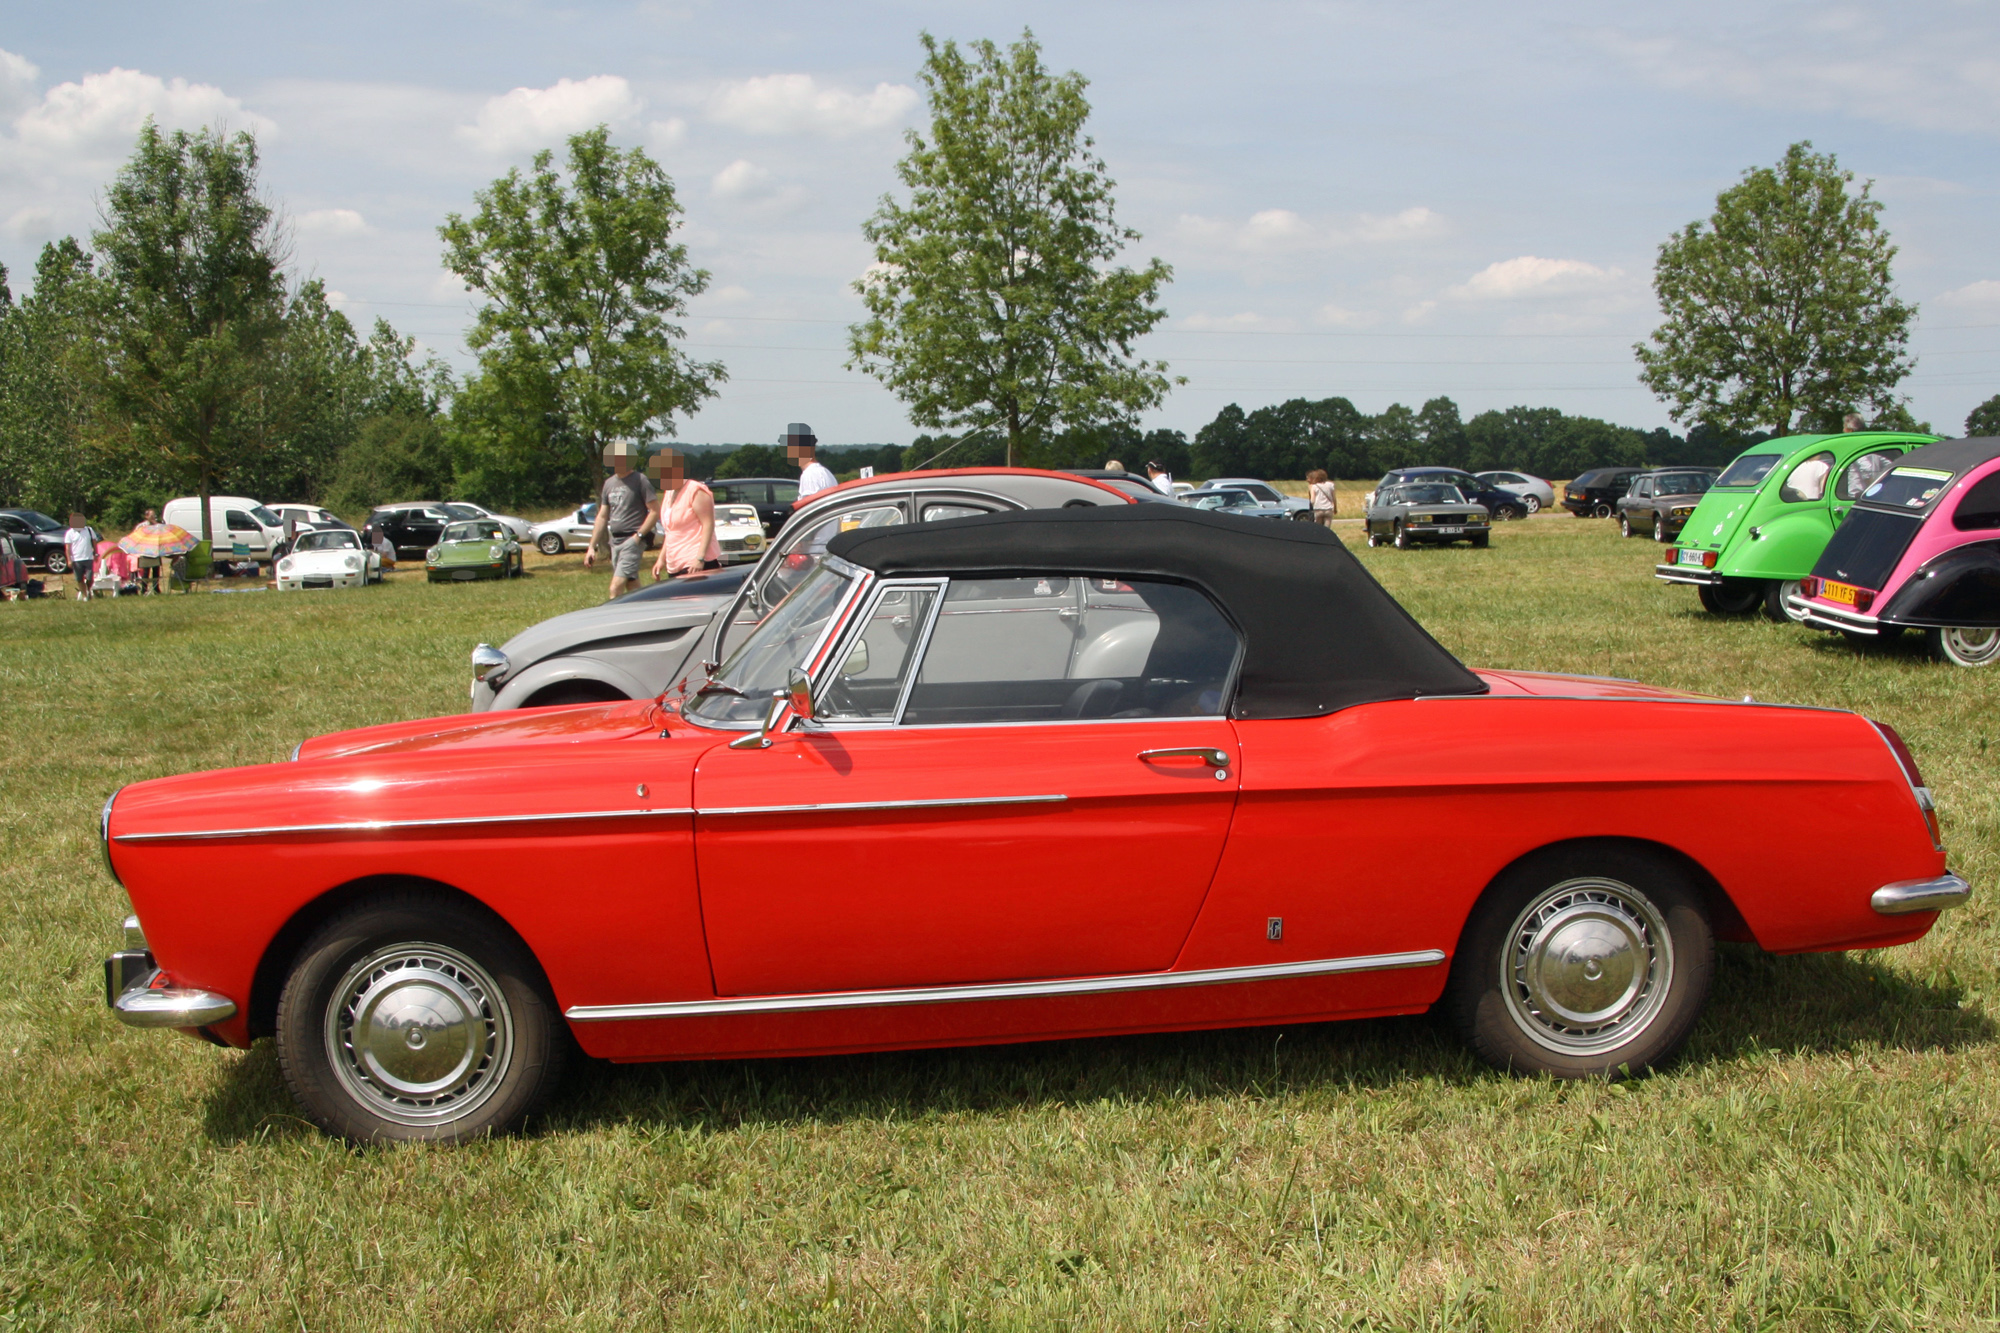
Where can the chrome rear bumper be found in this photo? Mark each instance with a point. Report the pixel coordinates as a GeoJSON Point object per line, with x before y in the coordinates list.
{"type": "Point", "coordinates": [1824, 617]}
{"type": "Point", "coordinates": [1687, 574]}
{"type": "Point", "coordinates": [1920, 895]}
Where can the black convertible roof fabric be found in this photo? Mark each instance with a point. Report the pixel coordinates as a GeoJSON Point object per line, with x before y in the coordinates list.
{"type": "Point", "coordinates": [1320, 633]}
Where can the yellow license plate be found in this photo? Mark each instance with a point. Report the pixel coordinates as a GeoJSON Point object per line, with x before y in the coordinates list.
{"type": "Point", "coordinates": [1839, 592]}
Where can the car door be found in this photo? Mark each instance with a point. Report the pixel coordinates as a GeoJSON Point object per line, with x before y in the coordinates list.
{"type": "Point", "coordinates": [937, 830]}
{"type": "Point", "coordinates": [1861, 472]}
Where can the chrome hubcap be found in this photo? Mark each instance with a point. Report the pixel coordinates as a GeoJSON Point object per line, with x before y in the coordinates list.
{"type": "Point", "coordinates": [419, 1034]}
{"type": "Point", "coordinates": [1588, 966]}
{"type": "Point", "coordinates": [1972, 647]}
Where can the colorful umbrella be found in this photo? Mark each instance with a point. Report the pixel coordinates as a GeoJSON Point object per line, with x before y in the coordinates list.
{"type": "Point", "coordinates": [160, 540]}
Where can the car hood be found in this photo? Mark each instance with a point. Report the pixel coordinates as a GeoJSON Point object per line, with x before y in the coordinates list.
{"type": "Point", "coordinates": [472, 731]}
{"type": "Point", "coordinates": [624, 619]}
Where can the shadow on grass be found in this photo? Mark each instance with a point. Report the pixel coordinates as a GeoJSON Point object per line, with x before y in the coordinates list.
{"type": "Point", "coordinates": [1761, 1004]}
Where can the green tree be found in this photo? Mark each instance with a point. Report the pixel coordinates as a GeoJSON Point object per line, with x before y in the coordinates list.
{"type": "Point", "coordinates": [1395, 440]}
{"type": "Point", "coordinates": [400, 449]}
{"type": "Point", "coordinates": [1781, 304]}
{"type": "Point", "coordinates": [1985, 418]}
{"type": "Point", "coordinates": [196, 298]}
{"type": "Point", "coordinates": [583, 279]}
{"type": "Point", "coordinates": [994, 305]}
{"type": "Point", "coordinates": [1443, 433]}
{"type": "Point", "coordinates": [52, 357]}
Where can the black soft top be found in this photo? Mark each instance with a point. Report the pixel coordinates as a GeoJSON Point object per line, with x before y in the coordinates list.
{"type": "Point", "coordinates": [1320, 634]}
{"type": "Point", "coordinates": [1953, 456]}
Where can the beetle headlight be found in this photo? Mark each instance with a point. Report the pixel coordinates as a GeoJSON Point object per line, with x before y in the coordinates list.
{"type": "Point", "coordinates": [353, 563]}
{"type": "Point", "coordinates": [493, 553]}
{"type": "Point", "coordinates": [285, 565]}
{"type": "Point", "coordinates": [431, 556]}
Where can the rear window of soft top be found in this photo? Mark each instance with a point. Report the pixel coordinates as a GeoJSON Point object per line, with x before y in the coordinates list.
{"type": "Point", "coordinates": [1748, 470]}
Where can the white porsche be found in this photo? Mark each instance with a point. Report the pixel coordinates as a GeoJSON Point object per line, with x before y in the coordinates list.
{"type": "Point", "coordinates": [332, 559]}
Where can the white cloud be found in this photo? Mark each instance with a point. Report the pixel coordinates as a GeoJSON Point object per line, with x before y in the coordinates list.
{"type": "Point", "coordinates": [1983, 294]}
{"type": "Point", "coordinates": [332, 222]}
{"type": "Point", "coordinates": [100, 115]}
{"type": "Point", "coordinates": [800, 104]}
{"type": "Point", "coordinates": [742, 179]}
{"type": "Point", "coordinates": [18, 79]}
{"type": "Point", "coordinates": [666, 133]}
{"type": "Point", "coordinates": [1531, 275]}
{"type": "Point", "coordinates": [533, 118]}
{"type": "Point", "coordinates": [1276, 231]}
{"type": "Point", "coordinates": [1342, 317]}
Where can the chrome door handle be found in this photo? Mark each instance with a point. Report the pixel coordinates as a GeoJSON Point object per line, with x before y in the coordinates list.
{"type": "Point", "coordinates": [1068, 613]}
{"type": "Point", "coordinates": [1212, 757]}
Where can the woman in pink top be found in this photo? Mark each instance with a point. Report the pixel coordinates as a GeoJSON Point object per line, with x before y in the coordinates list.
{"type": "Point", "coordinates": [688, 519]}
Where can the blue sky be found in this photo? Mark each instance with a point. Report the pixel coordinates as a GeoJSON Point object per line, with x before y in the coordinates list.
{"type": "Point", "coordinates": [1386, 202]}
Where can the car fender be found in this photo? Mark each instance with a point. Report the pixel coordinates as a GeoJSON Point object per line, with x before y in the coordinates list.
{"type": "Point", "coordinates": [1783, 545]}
{"type": "Point", "coordinates": [519, 689]}
{"type": "Point", "coordinates": [1960, 587]}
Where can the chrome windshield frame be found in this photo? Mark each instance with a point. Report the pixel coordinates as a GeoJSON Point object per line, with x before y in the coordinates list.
{"type": "Point", "coordinates": [860, 582]}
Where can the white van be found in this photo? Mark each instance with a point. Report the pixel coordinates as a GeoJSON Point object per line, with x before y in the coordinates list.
{"type": "Point", "coordinates": [234, 522]}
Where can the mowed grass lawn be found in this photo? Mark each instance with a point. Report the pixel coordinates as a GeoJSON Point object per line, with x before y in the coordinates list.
{"type": "Point", "coordinates": [1827, 1154]}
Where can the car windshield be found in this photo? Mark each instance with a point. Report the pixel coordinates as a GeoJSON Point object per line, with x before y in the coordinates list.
{"type": "Point", "coordinates": [1427, 493]}
{"type": "Point", "coordinates": [478, 530]}
{"type": "Point", "coordinates": [1749, 470]}
{"type": "Point", "coordinates": [462, 511]}
{"type": "Point", "coordinates": [328, 541]}
{"type": "Point", "coordinates": [1682, 483]}
{"type": "Point", "coordinates": [266, 517]}
{"type": "Point", "coordinates": [39, 522]}
{"type": "Point", "coordinates": [1908, 487]}
{"type": "Point", "coordinates": [1221, 499]}
{"type": "Point", "coordinates": [736, 513]}
{"type": "Point", "coordinates": [741, 690]}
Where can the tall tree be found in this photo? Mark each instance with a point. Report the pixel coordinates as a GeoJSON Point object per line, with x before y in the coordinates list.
{"type": "Point", "coordinates": [583, 281]}
{"type": "Point", "coordinates": [994, 306]}
{"type": "Point", "coordinates": [1985, 418]}
{"type": "Point", "coordinates": [1781, 304]}
{"type": "Point", "coordinates": [197, 298]}
{"type": "Point", "coordinates": [51, 362]}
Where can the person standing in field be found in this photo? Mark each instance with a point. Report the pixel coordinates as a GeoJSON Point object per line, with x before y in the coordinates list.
{"type": "Point", "coordinates": [801, 446]}
{"type": "Point", "coordinates": [1325, 499]}
{"type": "Point", "coordinates": [627, 510]}
{"type": "Point", "coordinates": [688, 515]}
{"type": "Point", "coordinates": [1163, 480]}
{"type": "Point", "coordinates": [80, 542]}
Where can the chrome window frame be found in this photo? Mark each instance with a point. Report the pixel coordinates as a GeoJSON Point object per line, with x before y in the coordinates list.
{"type": "Point", "coordinates": [828, 669]}
{"type": "Point", "coordinates": [861, 581]}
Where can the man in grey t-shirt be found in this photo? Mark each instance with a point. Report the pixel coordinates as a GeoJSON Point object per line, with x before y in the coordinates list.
{"type": "Point", "coordinates": [627, 509]}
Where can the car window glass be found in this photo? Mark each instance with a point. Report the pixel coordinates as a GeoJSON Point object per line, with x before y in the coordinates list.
{"type": "Point", "coordinates": [1052, 649]}
{"type": "Point", "coordinates": [1428, 494]}
{"type": "Point", "coordinates": [1749, 470]}
{"type": "Point", "coordinates": [867, 684]}
{"type": "Point", "coordinates": [741, 689]}
{"type": "Point", "coordinates": [804, 549]}
{"type": "Point", "coordinates": [1863, 472]}
{"type": "Point", "coordinates": [936, 513]}
{"type": "Point", "coordinates": [1979, 507]}
{"type": "Point", "coordinates": [461, 511]}
{"type": "Point", "coordinates": [1642, 488]}
{"type": "Point", "coordinates": [784, 492]}
{"type": "Point", "coordinates": [266, 517]}
{"type": "Point", "coordinates": [1807, 480]}
{"type": "Point", "coordinates": [1264, 493]}
{"type": "Point", "coordinates": [8, 523]}
{"type": "Point", "coordinates": [1908, 487]}
{"type": "Point", "coordinates": [328, 541]}
{"type": "Point", "coordinates": [238, 521]}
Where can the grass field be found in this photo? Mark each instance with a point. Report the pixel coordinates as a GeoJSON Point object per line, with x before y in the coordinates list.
{"type": "Point", "coordinates": [1825, 1156]}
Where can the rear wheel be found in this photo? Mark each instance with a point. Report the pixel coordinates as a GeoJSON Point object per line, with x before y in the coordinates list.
{"type": "Point", "coordinates": [1625, 525]}
{"type": "Point", "coordinates": [1600, 510]}
{"type": "Point", "coordinates": [1729, 599]}
{"type": "Point", "coordinates": [1593, 960]}
{"type": "Point", "coordinates": [1533, 503]}
{"type": "Point", "coordinates": [1965, 647]}
{"type": "Point", "coordinates": [413, 1018]}
{"type": "Point", "coordinates": [1374, 540]}
{"type": "Point", "coordinates": [1402, 538]}
{"type": "Point", "coordinates": [1775, 609]}
{"type": "Point", "coordinates": [58, 562]}
{"type": "Point", "coordinates": [549, 543]}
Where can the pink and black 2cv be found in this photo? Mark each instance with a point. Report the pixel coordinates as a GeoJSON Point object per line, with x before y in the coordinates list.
{"type": "Point", "coordinates": [1920, 550]}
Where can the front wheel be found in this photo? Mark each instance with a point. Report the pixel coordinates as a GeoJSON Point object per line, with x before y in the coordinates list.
{"type": "Point", "coordinates": [549, 543]}
{"type": "Point", "coordinates": [1374, 540]}
{"type": "Point", "coordinates": [1776, 609]}
{"type": "Point", "coordinates": [1625, 525]}
{"type": "Point", "coordinates": [414, 1018]}
{"type": "Point", "coordinates": [1729, 599]}
{"type": "Point", "coordinates": [1402, 538]}
{"type": "Point", "coordinates": [1533, 504]}
{"type": "Point", "coordinates": [58, 563]}
{"type": "Point", "coordinates": [1593, 961]}
{"type": "Point", "coordinates": [1965, 647]}
{"type": "Point", "coordinates": [1659, 528]}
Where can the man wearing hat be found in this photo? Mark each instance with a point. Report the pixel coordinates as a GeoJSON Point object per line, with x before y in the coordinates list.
{"type": "Point", "coordinates": [813, 474]}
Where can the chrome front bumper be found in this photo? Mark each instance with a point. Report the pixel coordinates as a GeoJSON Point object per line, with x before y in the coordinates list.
{"type": "Point", "coordinates": [136, 990]}
{"type": "Point", "coordinates": [1920, 895]}
{"type": "Point", "coordinates": [1687, 574]}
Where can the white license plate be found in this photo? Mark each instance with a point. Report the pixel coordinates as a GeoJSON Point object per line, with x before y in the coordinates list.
{"type": "Point", "coordinates": [1687, 557]}
{"type": "Point", "coordinates": [1452, 531]}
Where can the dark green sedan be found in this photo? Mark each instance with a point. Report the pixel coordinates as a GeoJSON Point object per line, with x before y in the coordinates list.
{"type": "Point", "coordinates": [476, 548]}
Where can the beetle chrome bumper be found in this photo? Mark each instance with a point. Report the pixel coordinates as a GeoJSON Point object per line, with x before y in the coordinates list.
{"type": "Point", "coordinates": [137, 992]}
{"type": "Point", "coordinates": [1687, 574]}
{"type": "Point", "coordinates": [1920, 895]}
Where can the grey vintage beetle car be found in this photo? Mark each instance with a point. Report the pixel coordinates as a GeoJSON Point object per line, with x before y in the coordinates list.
{"type": "Point", "coordinates": [641, 645]}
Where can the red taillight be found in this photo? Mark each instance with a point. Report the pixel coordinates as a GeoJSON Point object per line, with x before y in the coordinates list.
{"type": "Point", "coordinates": [1908, 762]}
{"type": "Point", "coordinates": [1863, 599]}
{"type": "Point", "coordinates": [1809, 586]}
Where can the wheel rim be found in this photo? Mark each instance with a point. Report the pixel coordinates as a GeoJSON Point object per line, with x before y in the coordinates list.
{"type": "Point", "coordinates": [1587, 966]}
{"type": "Point", "coordinates": [419, 1034]}
{"type": "Point", "coordinates": [1659, 531]}
{"type": "Point", "coordinates": [550, 545]}
{"type": "Point", "coordinates": [1972, 647]}
{"type": "Point", "coordinates": [1534, 504]}
{"type": "Point", "coordinates": [1785, 591]}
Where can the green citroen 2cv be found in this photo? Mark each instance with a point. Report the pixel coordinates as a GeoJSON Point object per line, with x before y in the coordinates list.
{"type": "Point", "coordinates": [1759, 529]}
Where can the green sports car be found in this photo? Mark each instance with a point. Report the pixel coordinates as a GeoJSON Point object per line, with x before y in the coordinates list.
{"type": "Point", "coordinates": [1757, 531]}
{"type": "Point", "coordinates": [477, 548]}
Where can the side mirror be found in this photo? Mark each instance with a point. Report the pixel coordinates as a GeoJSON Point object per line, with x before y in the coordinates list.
{"type": "Point", "coordinates": [760, 739]}
{"type": "Point", "coordinates": [799, 693]}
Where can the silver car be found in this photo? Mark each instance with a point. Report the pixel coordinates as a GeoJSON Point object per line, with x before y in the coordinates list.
{"type": "Point", "coordinates": [1261, 491]}
{"type": "Point", "coordinates": [1537, 494]}
{"type": "Point", "coordinates": [648, 642]}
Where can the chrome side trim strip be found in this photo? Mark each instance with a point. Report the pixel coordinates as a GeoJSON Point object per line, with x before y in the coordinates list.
{"type": "Point", "coordinates": [1003, 990]}
{"type": "Point", "coordinates": [829, 806]}
{"type": "Point", "coordinates": [1920, 895]}
{"type": "Point", "coordinates": [393, 825]}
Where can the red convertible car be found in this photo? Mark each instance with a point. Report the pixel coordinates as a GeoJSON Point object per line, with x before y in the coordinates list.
{"type": "Point", "coordinates": [1007, 778]}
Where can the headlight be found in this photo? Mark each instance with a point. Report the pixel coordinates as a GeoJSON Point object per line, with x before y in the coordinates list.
{"type": "Point", "coordinates": [353, 562]}
{"type": "Point", "coordinates": [431, 556]}
{"type": "Point", "coordinates": [1679, 513]}
{"type": "Point", "coordinates": [489, 664]}
{"type": "Point", "coordinates": [285, 565]}
{"type": "Point", "coordinates": [753, 541]}
{"type": "Point", "coordinates": [493, 553]}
